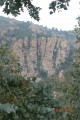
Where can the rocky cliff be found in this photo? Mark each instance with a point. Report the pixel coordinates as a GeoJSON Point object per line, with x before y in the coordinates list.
{"type": "Point", "coordinates": [40, 51]}
{"type": "Point", "coordinates": [42, 55]}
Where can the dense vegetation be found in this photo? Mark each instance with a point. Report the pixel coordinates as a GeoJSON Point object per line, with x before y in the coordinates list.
{"type": "Point", "coordinates": [15, 7]}
{"type": "Point", "coordinates": [31, 99]}
{"type": "Point", "coordinates": [22, 99]}
{"type": "Point", "coordinates": [13, 28]}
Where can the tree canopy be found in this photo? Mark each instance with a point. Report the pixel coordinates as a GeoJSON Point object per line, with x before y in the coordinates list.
{"type": "Point", "coordinates": [16, 6]}
{"type": "Point", "coordinates": [20, 98]}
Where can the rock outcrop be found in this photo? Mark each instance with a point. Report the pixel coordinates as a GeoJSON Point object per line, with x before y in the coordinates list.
{"type": "Point", "coordinates": [41, 54]}
{"type": "Point", "coordinates": [40, 50]}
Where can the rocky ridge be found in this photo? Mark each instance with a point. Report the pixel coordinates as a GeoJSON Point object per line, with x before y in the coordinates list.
{"type": "Point", "coordinates": [41, 51]}
{"type": "Point", "coordinates": [44, 55]}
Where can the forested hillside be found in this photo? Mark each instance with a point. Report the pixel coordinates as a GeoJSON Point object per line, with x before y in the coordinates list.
{"type": "Point", "coordinates": [21, 29]}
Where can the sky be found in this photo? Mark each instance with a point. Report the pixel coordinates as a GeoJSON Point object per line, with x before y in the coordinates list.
{"type": "Point", "coordinates": [64, 19]}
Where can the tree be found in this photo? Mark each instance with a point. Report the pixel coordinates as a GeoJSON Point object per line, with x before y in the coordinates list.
{"type": "Point", "coordinates": [9, 78]}
{"type": "Point", "coordinates": [70, 87]}
{"type": "Point", "coordinates": [16, 6]}
{"type": "Point", "coordinates": [22, 99]}
{"type": "Point", "coordinates": [77, 30]}
{"type": "Point", "coordinates": [58, 4]}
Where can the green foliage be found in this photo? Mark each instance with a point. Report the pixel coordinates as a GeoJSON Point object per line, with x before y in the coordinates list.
{"type": "Point", "coordinates": [20, 30]}
{"type": "Point", "coordinates": [69, 59]}
{"type": "Point", "coordinates": [16, 6]}
{"type": "Point", "coordinates": [77, 30]}
{"type": "Point", "coordinates": [22, 99]}
{"type": "Point", "coordinates": [58, 4]}
{"type": "Point", "coordinates": [12, 28]}
{"type": "Point", "coordinates": [8, 108]}
{"type": "Point", "coordinates": [70, 87]}
{"type": "Point", "coordinates": [7, 62]}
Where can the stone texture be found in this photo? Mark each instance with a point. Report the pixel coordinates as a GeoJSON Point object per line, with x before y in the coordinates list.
{"type": "Point", "coordinates": [41, 53]}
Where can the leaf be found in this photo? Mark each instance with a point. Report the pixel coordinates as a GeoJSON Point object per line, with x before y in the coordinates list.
{"type": "Point", "coordinates": [8, 107]}
{"type": "Point", "coordinates": [1, 2]}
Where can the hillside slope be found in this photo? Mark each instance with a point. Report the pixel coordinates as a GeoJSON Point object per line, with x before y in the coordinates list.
{"type": "Point", "coordinates": [41, 51]}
